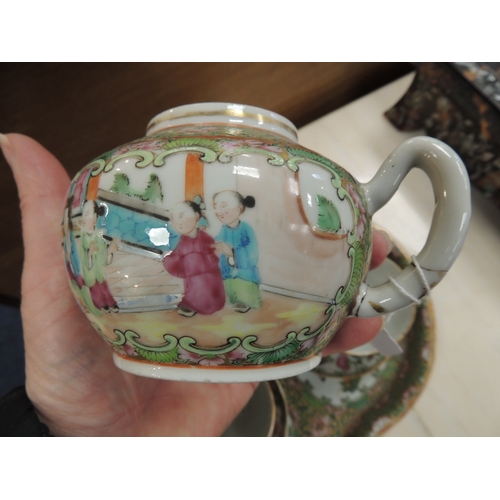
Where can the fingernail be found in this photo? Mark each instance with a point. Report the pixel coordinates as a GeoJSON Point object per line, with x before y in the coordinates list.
{"type": "Point", "coordinates": [6, 149]}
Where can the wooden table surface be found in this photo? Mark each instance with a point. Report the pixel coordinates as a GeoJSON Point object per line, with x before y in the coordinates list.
{"type": "Point", "coordinates": [80, 110]}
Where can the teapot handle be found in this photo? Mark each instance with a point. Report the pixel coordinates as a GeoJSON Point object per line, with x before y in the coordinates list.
{"type": "Point", "coordinates": [450, 183]}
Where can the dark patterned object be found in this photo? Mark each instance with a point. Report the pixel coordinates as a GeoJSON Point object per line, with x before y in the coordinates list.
{"type": "Point", "coordinates": [458, 103]}
{"type": "Point", "coordinates": [485, 77]}
{"type": "Point", "coordinates": [366, 404]}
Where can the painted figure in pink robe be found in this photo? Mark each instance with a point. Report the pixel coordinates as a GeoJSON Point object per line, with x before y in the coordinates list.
{"type": "Point", "coordinates": [194, 261]}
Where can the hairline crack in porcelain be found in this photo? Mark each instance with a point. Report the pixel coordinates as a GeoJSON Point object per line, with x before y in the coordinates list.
{"type": "Point", "coordinates": [218, 249]}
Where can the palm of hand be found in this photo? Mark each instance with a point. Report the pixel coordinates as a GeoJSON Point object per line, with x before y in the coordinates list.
{"type": "Point", "coordinates": [77, 389]}
{"type": "Point", "coordinates": [70, 376]}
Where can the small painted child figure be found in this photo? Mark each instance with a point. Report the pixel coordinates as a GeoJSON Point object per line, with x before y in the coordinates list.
{"type": "Point", "coordinates": [238, 251]}
{"type": "Point", "coordinates": [194, 261]}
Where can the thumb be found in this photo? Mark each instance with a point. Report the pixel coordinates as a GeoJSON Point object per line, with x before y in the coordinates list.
{"type": "Point", "coordinates": [42, 184]}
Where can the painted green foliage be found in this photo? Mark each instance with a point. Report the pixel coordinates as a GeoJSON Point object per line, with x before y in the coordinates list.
{"type": "Point", "coordinates": [192, 142]}
{"type": "Point", "coordinates": [159, 357]}
{"type": "Point", "coordinates": [309, 155]}
{"type": "Point", "coordinates": [328, 215]}
{"type": "Point", "coordinates": [357, 256]}
{"type": "Point", "coordinates": [152, 193]}
{"type": "Point", "coordinates": [274, 356]}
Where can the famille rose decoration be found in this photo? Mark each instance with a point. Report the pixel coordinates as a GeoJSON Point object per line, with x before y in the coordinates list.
{"type": "Point", "coordinates": [218, 249]}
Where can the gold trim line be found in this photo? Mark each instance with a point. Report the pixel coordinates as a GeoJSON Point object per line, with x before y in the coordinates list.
{"type": "Point", "coordinates": [226, 112]}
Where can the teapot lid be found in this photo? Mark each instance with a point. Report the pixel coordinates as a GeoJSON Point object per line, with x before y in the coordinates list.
{"type": "Point", "coordinates": [223, 113]}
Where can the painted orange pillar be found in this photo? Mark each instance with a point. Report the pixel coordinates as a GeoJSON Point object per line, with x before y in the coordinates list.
{"type": "Point", "coordinates": [92, 187]}
{"type": "Point", "coordinates": [194, 177]}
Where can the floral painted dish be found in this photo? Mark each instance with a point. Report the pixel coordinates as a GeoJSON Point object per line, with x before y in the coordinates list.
{"type": "Point", "coordinates": [369, 401]}
{"type": "Point", "coordinates": [366, 404]}
{"type": "Point", "coordinates": [347, 395]}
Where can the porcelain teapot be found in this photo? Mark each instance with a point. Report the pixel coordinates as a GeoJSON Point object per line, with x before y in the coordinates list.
{"type": "Point", "coordinates": [218, 249]}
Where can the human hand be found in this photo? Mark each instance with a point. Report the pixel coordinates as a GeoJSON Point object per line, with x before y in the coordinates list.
{"type": "Point", "coordinates": [113, 246]}
{"type": "Point", "coordinates": [223, 248]}
{"type": "Point", "coordinates": [70, 378]}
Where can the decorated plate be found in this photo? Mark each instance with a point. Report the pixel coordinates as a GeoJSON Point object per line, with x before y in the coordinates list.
{"type": "Point", "coordinates": [365, 400]}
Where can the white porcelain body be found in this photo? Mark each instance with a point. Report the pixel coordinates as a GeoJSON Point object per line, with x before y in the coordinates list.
{"type": "Point", "coordinates": [218, 249]}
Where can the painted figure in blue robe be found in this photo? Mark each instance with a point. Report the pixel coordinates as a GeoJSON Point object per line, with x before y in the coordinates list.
{"type": "Point", "coordinates": [236, 246]}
